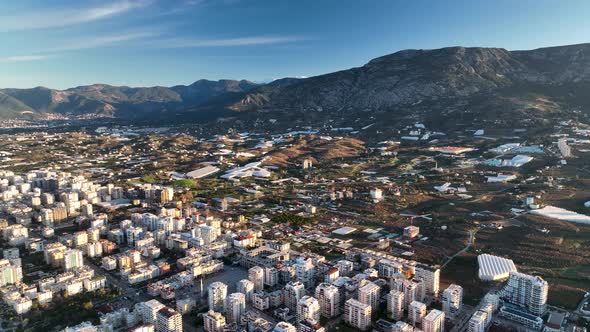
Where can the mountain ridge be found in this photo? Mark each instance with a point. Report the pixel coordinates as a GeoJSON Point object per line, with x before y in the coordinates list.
{"type": "Point", "coordinates": [437, 85]}
{"type": "Point", "coordinates": [107, 100]}
{"type": "Point", "coordinates": [475, 82]}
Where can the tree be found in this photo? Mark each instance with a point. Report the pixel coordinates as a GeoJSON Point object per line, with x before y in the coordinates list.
{"type": "Point", "coordinates": [88, 305]}
{"type": "Point", "coordinates": [148, 178]}
{"type": "Point", "coordinates": [186, 183]}
{"type": "Point", "coordinates": [293, 219]}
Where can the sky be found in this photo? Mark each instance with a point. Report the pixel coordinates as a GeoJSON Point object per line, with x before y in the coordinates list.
{"type": "Point", "coordinates": [67, 43]}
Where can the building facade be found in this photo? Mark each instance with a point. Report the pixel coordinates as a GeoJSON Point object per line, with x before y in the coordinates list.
{"type": "Point", "coordinates": [357, 314]}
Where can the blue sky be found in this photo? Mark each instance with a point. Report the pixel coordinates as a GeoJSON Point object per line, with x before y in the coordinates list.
{"type": "Point", "coordinates": [66, 43]}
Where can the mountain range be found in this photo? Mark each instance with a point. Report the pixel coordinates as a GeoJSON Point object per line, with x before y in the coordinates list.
{"type": "Point", "coordinates": [440, 85]}
{"type": "Point", "coordinates": [112, 101]}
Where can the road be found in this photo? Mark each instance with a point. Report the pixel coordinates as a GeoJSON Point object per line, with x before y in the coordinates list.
{"type": "Point", "coordinates": [469, 244]}
{"type": "Point", "coordinates": [581, 306]}
{"type": "Point", "coordinates": [462, 319]}
{"type": "Point", "coordinates": [130, 295]}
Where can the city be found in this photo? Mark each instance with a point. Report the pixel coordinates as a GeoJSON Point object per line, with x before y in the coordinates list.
{"type": "Point", "coordinates": [294, 166]}
{"type": "Point", "coordinates": [250, 239]}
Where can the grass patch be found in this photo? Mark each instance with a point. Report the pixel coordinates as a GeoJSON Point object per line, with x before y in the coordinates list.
{"type": "Point", "coordinates": [564, 296]}
{"type": "Point", "coordinates": [462, 270]}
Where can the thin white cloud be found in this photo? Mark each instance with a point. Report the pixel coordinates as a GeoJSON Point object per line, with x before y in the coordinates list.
{"type": "Point", "coordinates": [68, 16]}
{"type": "Point", "coordinates": [228, 42]}
{"type": "Point", "coordinates": [81, 44]}
{"type": "Point", "coordinates": [101, 41]}
{"type": "Point", "coordinates": [23, 58]}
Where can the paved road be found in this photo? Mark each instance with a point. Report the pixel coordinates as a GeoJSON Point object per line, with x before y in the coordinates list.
{"type": "Point", "coordinates": [131, 295]}
{"type": "Point", "coordinates": [462, 320]}
{"type": "Point", "coordinates": [469, 244]}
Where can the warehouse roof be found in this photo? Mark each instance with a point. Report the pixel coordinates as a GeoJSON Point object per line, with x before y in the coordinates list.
{"type": "Point", "coordinates": [494, 267]}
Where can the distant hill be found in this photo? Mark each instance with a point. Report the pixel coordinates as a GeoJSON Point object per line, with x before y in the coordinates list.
{"type": "Point", "coordinates": [112, 101]}
{"type": "Point", "coordinates": [441, 86]}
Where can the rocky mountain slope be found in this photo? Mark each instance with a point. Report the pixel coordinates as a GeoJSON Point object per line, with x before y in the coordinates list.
{"type": "Point", "coordinates": [442, 85]}
{"type": "Point", "coordinates": [413, 76]}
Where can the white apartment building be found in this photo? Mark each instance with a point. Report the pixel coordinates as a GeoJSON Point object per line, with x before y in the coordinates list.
{"type": "Point", "coordinates": [395, 304]}
{"type": "Point", "coordinates": [235, 306]}
{"type": "Point", "coordinates": [9, 273]}
{"type": "Point", "coordinates": [246, 287]}
{"type": "Point", "coordinates": [271, 276]}
{"type": "Point", "coordinates": [284, 327]}
{"type": "Point", "coordinates": [401, 326]}
{"type": "Point", "coordinates": [73, 259]}
{"type": "Point", "coordinates": [526, 291]}
{"type": "Point", "coordinates": [168, 320]}
{"type": "Point", "coordinates": [305, 272]}
{"type": "Point", "coordinates": [416, 312]}
{"type": "Point", "coordinates": [452, 300]}
{"type": "Point", "coordinates": [434, 321]}
{"type": "Point", "coordinates": [410, 292]}
{"type": "Point", "coordinates": [357, 314]}
{"type": "Point", "coordinates": [213, 321]}
{"type": "Point", "coordinates": [22, 305]}
{"type": "Point", "coordinates": [256, 276]}
{"type": "Point", "coordinates": [217, 292]}
{"type": "Point", "coordinates": [345, 267]}
{"type": "Point", "coordinates": [148, 310]}
{"type": "Point", "coordinates": [369, 294]}
{"type": "Point", "coordinates": [431, 277]}
{"type": "Point", "coordinates": [329, 298]}
{"type": "Point", "coordinates": [292, 293]}
{"type": "Point", "coordinates": [308, 308]}
{"type": "Point", "coordinates": [477, 322]}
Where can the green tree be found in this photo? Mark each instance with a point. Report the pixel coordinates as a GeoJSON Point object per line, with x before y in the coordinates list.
{"type": "Point", "coordinates": [186, 183]}
{"type": "Point", "coordinates": [87, 305]}
{"type": "Point", "coordinates": [293, 219]}
{"type": "Point", "coordinates": [148, 178]}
